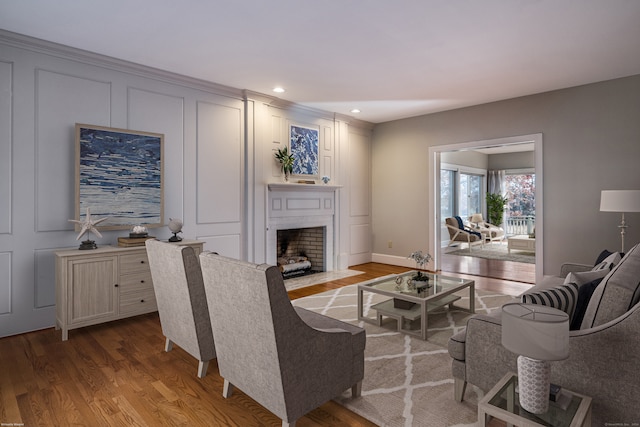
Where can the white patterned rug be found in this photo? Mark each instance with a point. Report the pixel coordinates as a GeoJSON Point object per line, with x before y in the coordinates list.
{"type": "Point", "coordinates": [407, 381]}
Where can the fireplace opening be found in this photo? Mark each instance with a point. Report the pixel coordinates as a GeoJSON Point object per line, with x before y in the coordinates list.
{"type": "Point", "coordinates": [300, 251]}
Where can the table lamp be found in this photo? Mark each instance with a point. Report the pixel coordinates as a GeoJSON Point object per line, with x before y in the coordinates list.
{"type": "Point", "coordinates": [476, 219]}
{"type": "Point", "coordinates": [538, 334]}
{"type": "Point", "coordinates": [620, 201]}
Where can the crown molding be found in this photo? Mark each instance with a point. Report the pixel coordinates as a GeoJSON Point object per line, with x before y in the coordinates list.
{"type": "Point", "coordinates": [57, 50]}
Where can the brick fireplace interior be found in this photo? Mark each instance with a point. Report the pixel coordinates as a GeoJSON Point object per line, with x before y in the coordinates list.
{"type": "Point", "coordinates": [300, 251]}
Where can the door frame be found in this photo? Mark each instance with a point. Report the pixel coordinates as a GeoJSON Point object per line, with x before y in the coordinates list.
{"type": "Point", "coordinates": [433, 216]}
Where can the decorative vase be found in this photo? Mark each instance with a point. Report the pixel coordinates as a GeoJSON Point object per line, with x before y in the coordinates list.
{"type": "Point", "coordinates": [286, 176]}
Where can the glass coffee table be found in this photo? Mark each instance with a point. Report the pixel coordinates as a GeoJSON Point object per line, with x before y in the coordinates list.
{"type": "Point", "coordinates": [502, 402]}
{"type": "Point", "coordinates": [411, 300]}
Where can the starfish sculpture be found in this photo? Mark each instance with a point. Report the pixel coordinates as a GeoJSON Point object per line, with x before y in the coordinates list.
{"type": "Point", "coordinates": [88, 225]}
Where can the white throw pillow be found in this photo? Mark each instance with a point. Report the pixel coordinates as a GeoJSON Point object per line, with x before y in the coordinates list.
{"type": "Point", "coordinates": [582, 277]}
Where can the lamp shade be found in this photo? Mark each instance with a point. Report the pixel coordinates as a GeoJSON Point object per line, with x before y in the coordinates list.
{"type": "Point", "coordinates": [476, 218]}
{"type": "Point", "coordinates": [620, 201]}
{"type": "Point", "coordinates": [535, 331]}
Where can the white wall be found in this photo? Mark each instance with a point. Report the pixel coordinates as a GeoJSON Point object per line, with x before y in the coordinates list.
{"type": "Point", "coordinates": [591, 143]}
{"type": "Point", "coordinates": [218, 157]}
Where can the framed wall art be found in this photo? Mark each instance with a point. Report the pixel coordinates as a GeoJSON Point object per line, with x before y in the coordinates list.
{"type": "Point", "coordinates": [119, 175]}
{"type": "Point", "coordinates": [304, 147]}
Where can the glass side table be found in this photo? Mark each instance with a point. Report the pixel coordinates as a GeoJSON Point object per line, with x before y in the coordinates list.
{"type": "Point", "coordinates": [502, 402]}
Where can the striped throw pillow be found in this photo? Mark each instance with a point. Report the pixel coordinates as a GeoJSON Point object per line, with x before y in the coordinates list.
{"type": "Point", "coordinates": [562, 297]}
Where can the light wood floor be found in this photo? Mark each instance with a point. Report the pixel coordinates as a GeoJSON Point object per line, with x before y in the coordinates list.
{"type": "Point", "coordinates": [117, 374]}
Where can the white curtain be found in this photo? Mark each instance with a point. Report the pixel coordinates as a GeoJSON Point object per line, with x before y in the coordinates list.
{"type": "Point", "coordinates": [496, 182]}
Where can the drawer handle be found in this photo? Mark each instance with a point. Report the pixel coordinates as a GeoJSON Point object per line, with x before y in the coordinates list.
{"type": "Point", "coordinates": [141, 262]}
{"type": "Point", "coordinates": [141, 300]}
{"type": "Point", "coordinates": [141, 281]}
{"type": "Point", "coordinates": [116, 285]}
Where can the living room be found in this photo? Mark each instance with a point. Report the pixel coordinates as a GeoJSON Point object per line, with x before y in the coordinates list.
{"type": "Point", "coordinates": [219, 161]}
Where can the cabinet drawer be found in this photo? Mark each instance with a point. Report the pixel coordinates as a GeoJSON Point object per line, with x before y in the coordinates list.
{"type": "Point", "coordinates": [140, 281]}
{"type": "Point", "coordinates": [137, 302]}
{"type": "Point", "coordinates": [133, 263]}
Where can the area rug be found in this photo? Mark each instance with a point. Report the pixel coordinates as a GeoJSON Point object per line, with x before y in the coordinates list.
{"type": "Point", "coordinates": [496, 251]}
{"type": "Point", "coordinates": [407, 380]}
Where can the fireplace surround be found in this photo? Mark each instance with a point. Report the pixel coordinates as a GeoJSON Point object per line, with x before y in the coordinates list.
{"type": "Point", "coordinates": [301, 206]}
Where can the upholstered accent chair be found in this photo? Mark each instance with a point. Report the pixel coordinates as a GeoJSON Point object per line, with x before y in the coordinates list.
{"type": "Point", "coordinates": [490, 232]}
{"type": "Point", "coordinates": [459, 233]}
{"type": "Point", "coordinates": [603, 358]}
{"type": "Point", "coordinates": [290, 360]}
{"type": "Point", "coordinates": [182, 305]}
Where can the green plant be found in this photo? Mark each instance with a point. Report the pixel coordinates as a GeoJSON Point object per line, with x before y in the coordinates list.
{"type": "Point", "coordinates": [285, 158]}
{"type": "Point", "coordinates": [495, 207]}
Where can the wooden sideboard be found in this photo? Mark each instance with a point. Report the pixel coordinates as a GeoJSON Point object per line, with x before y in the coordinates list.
{"type": "Point", "coordinates": [104, 284]}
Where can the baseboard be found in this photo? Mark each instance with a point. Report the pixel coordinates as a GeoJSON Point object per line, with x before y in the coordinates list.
{"type": "Point", "coordinates": [400, 261]}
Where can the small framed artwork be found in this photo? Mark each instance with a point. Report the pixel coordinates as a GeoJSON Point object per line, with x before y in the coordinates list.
{"type": "Point", "coordinates": [304, 147]}
{"type": "Point", "coordinates": [119, 175]}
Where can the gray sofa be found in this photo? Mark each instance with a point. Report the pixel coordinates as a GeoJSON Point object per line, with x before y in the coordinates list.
{"type": "Point", "coordinates": [603, 361]}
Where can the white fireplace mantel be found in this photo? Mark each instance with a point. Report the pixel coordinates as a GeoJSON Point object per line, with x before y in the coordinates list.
{"type": "Point", "coordinates": [290, 186]}
{"type": "Point", "coordinates": [292, 205]}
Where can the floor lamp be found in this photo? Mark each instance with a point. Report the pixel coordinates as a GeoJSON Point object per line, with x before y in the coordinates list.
{"type": "Point", "coordinates": [620, 201]}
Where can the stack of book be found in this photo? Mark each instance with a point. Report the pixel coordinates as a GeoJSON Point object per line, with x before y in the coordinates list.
{"type": "Point", "coordinates": [128, 242]}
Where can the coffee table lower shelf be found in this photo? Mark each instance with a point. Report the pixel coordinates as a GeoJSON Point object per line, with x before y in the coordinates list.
{"type": "Point", "coordinates": [401, 315]}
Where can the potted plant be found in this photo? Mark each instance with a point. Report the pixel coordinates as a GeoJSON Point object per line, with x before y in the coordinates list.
{"type": "Point", "coordinates": [286, 161]}
{"type": "Point", "coordinates": [495, 208]}
{"type": "Point", "coordinates": [420, 260]}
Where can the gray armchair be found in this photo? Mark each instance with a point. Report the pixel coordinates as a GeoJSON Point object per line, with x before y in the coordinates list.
{"type": "Point", "coordinates": [182, 305]}
{"type": "Point", "coordinates": [290, 360]}
{"type": "Point", "coordinates": [603, 358]}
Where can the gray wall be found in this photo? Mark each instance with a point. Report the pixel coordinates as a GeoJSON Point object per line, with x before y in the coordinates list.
{"type": "Point", "coordinates": [591, 142]}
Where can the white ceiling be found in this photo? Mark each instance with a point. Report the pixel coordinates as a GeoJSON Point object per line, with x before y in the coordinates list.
{"type": "Point", "coordinates": [389, 58]}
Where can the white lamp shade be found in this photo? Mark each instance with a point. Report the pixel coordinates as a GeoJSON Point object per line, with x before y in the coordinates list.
{"type": "Point", "coordinates": [535, 331]}
{"type": "Point", "coordinates": [620, 201]}
{"type": "Point", "coordinates": [476, 218]}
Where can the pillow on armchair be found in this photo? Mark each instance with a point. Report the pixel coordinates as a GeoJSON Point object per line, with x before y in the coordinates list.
{"type": "Point", "coordinates": [572, 296]}
{"type": "Point", "coordinates": [562, 297]}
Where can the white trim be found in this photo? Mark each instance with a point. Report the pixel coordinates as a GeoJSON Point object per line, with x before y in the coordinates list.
{"type": "Point", "coordinates": [433, 215]}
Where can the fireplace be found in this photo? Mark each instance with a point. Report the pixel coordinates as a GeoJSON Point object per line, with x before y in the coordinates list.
{"type": "Point", "coordinates": [300, 251]}
{"type": "Point", "coordinates": [301, 217]}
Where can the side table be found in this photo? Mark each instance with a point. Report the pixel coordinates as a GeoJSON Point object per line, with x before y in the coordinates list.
{"type": "Point", "coordinates": [502, 402]}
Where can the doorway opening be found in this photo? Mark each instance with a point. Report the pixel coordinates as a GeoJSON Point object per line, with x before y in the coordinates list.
{"type": "Point", "coordinates": [441, 198]}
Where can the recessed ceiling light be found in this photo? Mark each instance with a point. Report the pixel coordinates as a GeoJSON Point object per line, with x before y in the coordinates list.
{"type": "Point", "coordinates": [278, 89]}
{"type": "Point", "coordinates": [355, 110]}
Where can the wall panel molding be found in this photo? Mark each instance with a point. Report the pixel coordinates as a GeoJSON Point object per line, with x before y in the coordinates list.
{"type": "Point", "coordinates": [62, 100]}
{"type": "Point", "coordinates": [6, 143]}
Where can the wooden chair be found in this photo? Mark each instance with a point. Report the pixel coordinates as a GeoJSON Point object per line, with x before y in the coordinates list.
{"type": "Point", "coordinates": [457, 234]}
{"type": "Point", "coordinates": [489, 231]}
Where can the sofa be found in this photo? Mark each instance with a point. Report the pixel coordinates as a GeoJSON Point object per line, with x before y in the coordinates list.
{"type": "Point", "coordinates": [604, 347]}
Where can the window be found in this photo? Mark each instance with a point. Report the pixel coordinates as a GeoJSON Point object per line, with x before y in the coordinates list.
{"type": "Point", "coordinates": [470, 195]}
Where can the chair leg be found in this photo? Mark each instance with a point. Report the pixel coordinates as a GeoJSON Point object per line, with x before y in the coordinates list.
{"type": "Point", "coordinates": [227, 389]}
{"type": "Point", "coordinates": [356, 389]}
{"type": "Point", "coordinates": [168, 345]}
{"type": "Point", "coordinates": [290, 424]}
{"type": "Point", "coordinates": [202, 368]}
{"type": "Point", "coordinates": [459, 387]}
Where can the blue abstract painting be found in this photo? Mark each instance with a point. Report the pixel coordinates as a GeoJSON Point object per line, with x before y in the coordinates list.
{"type": "Point", "coordinates": [119, 176]}
{"type": "Point", "coordinates": [304, 147]}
